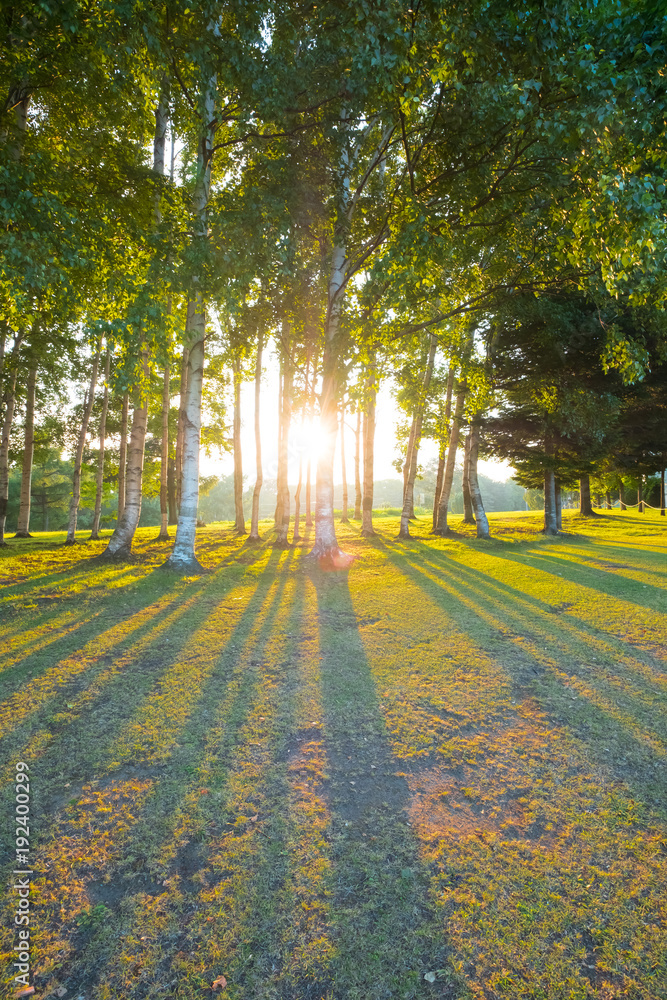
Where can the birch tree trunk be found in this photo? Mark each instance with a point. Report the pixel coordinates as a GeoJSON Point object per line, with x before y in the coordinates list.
{"type": "Point", "coordinates": [550, 513]}
{"type": "Point", "coordinates": [122, 461]}
{"type": "Point", "coordinates": [369, 443]}
{"type": "Point", "coordinates": [585, 506]}
{"type": "Point", "coordinates": [445, 431]}
{"type": "Point", "coordinates": [254, 519]}
{"type": "Point", "coordinates": [164, 460]}
{"type": "Point", "coordinates": [9, 403]}
{"type": "Point", "coordinates": [311, 417]}
{"type": "Point", "coordinates": [23, 526]}
{"type": "Point", "coordinates": [183, 558]}
{"type": "Point", "coordinates": [171, 490]}
{"type": "Point", "coordinates": [78, 458]}
{"type": "Point", "coordinates": [473, 481]}
{"type": "Point", "coordinates": [357, 470]}
{"type": "Point", "coordinates": [296, 535]}
{"type": "Point", "coordinates": [442, 454]}
{"type": "Point", "coordinates": [282, 516]}
{"type": "Point", "coordinates": [239, 516]}
{"type": "Point", "coordinates": [468, 516]}
{"type": "Point", "coordinates": [344, 513]}
{"type": "Point", "coordinates": [182, 403]}
{"type": "Point", "coordinates": [120, 543]}
{"type": "Point", "coordinates": [95, 533]}
{"type": "Point", "coordinates": [412, 460]}
{"type": "Point", "coordinates": [406, 466]}
{"type": "Point", "coordinates": [443, 506]}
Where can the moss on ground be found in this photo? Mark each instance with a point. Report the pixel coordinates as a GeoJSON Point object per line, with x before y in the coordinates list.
{"type": "Point", "coordinates": [441, 774]}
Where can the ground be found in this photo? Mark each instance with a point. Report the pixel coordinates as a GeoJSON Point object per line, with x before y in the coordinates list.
{"type": "Point", "coordinates": [438, 775]}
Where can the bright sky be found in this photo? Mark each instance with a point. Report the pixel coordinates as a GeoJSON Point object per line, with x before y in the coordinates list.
{"type": "Point", "coordinates": [301, 444]}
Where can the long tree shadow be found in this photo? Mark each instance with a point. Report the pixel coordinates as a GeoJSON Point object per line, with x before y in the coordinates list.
{"type": "Point", "coordinates": [387, 931]}
{"type": "Point", "coordinates": [615, 737]}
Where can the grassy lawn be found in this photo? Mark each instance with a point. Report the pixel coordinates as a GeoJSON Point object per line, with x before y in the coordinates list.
{"type": "Point", "coordinates": [441, 774]}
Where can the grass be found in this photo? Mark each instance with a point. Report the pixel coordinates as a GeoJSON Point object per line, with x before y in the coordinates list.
{"type": "Point", "coordinates": [441, 774]}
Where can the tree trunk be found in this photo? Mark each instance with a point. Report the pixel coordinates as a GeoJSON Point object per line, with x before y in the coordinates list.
{"type": "Point", "coordinates": [475, 493]}
{"type": "Point", "coordinates": [122, 462]}
{"type": "Point", "coordinates": [585, 506]}
{"type": "Point", "coordinates": [607, 498]}
{"type": "Point", "coordinates": [662, 489]}
{"type": "Point", "coordinates": [559, 505]}
{"type": "Point", "coordinates": [78, 458]}
{"type": "Point", "coordinates": [444, 431]}
{"type": "Point", "coordinates": [282, 515]}
{"type": "Point", "coordinates": [621, 495]}
{"type": "Point", "coordinates": [468, 516]}
{"type": "Point", "coordinates": [171, 490]}
{"type": "Point", "coordinates": [120, 543]}
{"type": "Point", "coordinates": [164, 460]}
{"type": "Point", "coordinates": [550, 513]}
{"type": "Point", "coordinates": [311, 416]}
{"type": "Point", "coordinates": [183, 558]}
{"type": "Point", "coordinates": [640, 495]}
{"type": "Point", "coordinates": [344, 513]}
{"type": "Point", "coordinates": [10, 403]}
{"type": "Point", "coordinates": [95, 533]}
{"type": "Point", "coordinates": [23, 526]}
{"type": "Point", "coordinates": [239, 515]}
{"type": "Point", "coordinates": [412, 458]}
{"type": "Point", "coordinates": [357, 469]}
{"type": "Point", "coordinates": [443, 507]}
{"type": "Point", "coordinates": [369, 445]}
{"type": "Point", "coordinates": [254, 519]}
{"type": "Point", "coordinates": [297, 503]}
{"type": "Point", "coordinates": [438, 480]}
{"type": "Point", "coordinates": [182, 403]}
{"type": "Point", "coordinates": [407, 499]}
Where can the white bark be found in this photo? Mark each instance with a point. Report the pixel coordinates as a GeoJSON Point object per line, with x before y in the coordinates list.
{"type": "Point", "coordinates": [473, 481]}
{"type": "Point", "coordinates": [415, 439]}
{"type": "Point", "coordinates": [164, 459]}
{"type": "Point", "coordinates": [369, 444]}
{"type": "Point", "coordinates": [254, 519]}
{"type": "Point", "coordinates": [78, 458]}
{"type": "Point", "coordinates": [282, 516]}
{"type": "Point", "coordinates": [10, 403]}
{"type": "Point", "coordinates": [122, 459]}
{"type": "Point", "coordinates": [23, 526]}
{"type": "Point", "coordinates": [357, 467]}
{"type": "Point", "coordinates": [120, 543]}
{"type": "Point", "coordinates": [239, 523]}
{"type": "Point", "coordinates": [183, 558]}
{"type": "Point", "coordinates": [443, 506]}
{"type": "Point", "coordinates": [95, 533]}
{"type": "Point", "coordinates": [344, 512]}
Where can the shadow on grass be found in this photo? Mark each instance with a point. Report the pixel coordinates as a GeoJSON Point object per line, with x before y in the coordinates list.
{"type": "Point", "coordinates": [386, 928]}
{"type": "Point", "coordinates": [614, 710]}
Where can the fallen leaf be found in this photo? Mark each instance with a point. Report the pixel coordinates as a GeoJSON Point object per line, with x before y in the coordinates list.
{"type": "Point", "coordinates": [220, 981]}
{"type": "Point", "coordinates": [253, 819]}
{"type": "Point", "coordinates": [61, 991]}
{"type": "Point", "coordinates": [26, 991]}
{"type": "Point", "coordinates": [429, 977]}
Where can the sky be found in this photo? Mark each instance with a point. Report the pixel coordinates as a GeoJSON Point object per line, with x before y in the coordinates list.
{"type": "Point", "coordinates": [301, 443]}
